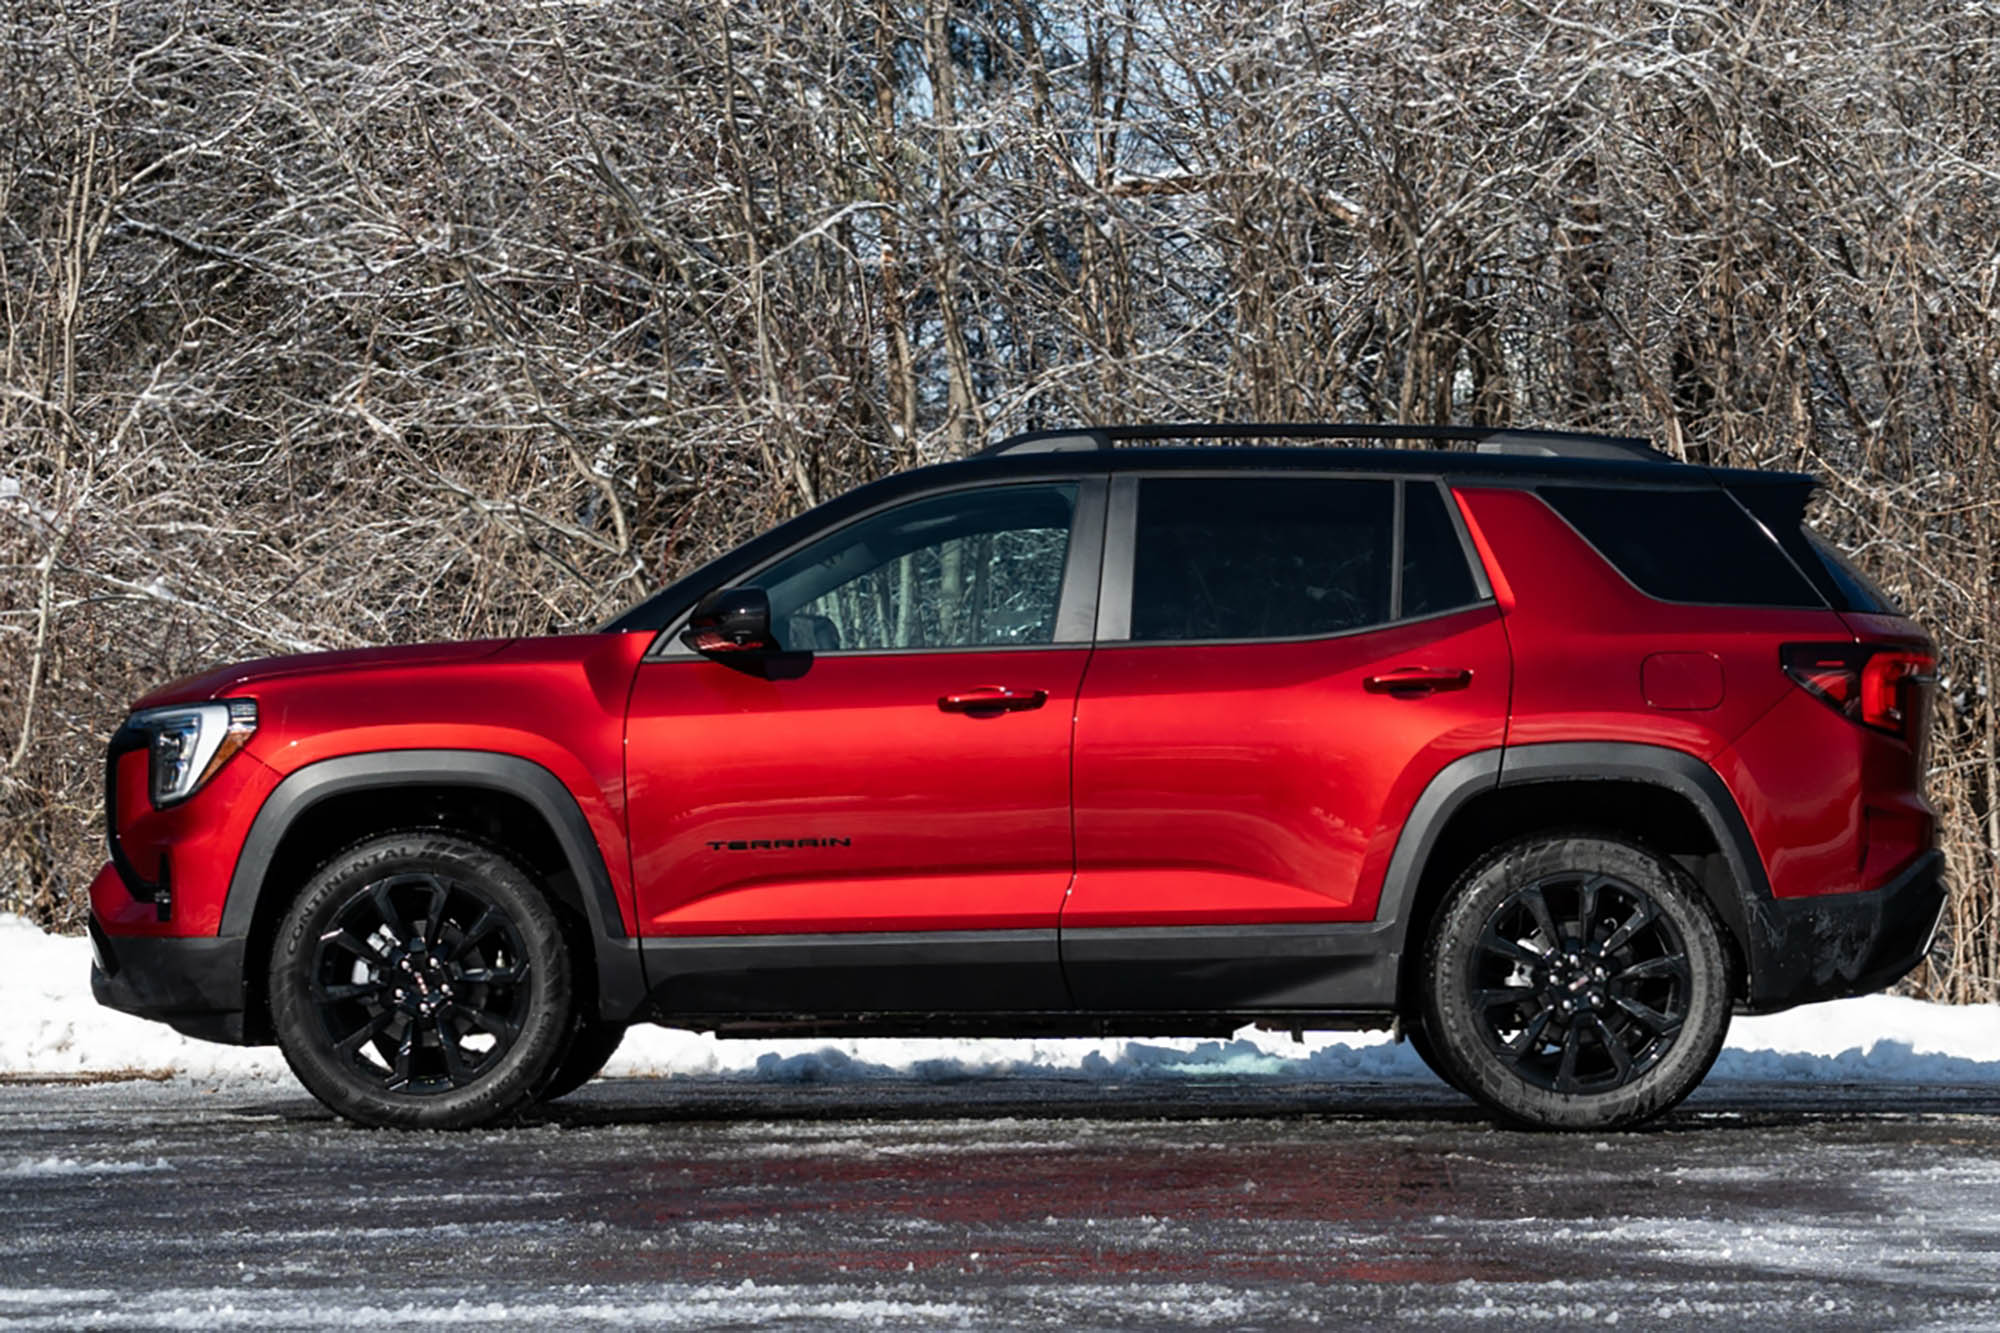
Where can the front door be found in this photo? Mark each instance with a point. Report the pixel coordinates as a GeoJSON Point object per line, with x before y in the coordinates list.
{"type": "Point", "coordinates": [1284, 664]}
{"type": "Point", "coordinates": [878, 817]}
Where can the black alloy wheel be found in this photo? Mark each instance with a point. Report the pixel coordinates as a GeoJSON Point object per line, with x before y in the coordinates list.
{"type": "Point", "coordinates": [421, 980]}
{"type": "Point", "coordinates": [1581, 981]}
{"type": "Point", "coordinates": [1576, 982]}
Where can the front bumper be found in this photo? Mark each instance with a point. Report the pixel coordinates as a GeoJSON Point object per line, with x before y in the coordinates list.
{"type": "Point", "coordinates": [1839, 944]}
{"type": "Point", "coordinates": [194, 985]}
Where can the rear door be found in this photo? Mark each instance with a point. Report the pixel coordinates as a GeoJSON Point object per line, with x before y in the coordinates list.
{"type": "Point", "coordinates": [1283, 663]}
{"type": "Point", "coordinates": [878, 818]}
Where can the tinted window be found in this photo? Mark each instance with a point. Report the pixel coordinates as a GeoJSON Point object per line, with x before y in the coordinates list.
{"type": "Point", "coordinates": [970, 569]}
{"type": "Point", "coordinates": [1860, 592]}
{"type": "Point", "coordinates": [1684, 546]}
{"type": "Point", "coordinates": [1435, 575]}
{"type": "Point", "coordinates": [1260, 558]}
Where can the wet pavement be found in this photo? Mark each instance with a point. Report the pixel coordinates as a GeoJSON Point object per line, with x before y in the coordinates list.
{"type": "Point", "coordinates": [997, 1201]}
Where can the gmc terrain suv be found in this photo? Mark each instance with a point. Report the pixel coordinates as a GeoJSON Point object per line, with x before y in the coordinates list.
{"type": "Point", "coordinates": [1551, 753]}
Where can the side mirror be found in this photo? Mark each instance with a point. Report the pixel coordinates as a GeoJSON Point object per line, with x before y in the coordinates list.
{"type": "Point", "coordinates": [730, 622]}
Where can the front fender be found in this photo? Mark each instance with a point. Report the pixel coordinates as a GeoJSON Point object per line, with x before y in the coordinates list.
{"type": "Point", "coordinates": [621, 978]}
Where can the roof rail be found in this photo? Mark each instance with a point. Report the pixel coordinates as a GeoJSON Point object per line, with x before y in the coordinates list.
{"type": "Point", "coordinates": [1488, 439]}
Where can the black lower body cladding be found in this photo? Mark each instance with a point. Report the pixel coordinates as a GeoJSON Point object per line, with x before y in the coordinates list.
{"type": "Point", "coordinates": [193, 985]}
{"type": "Point", "coordinates": [1828, 946]}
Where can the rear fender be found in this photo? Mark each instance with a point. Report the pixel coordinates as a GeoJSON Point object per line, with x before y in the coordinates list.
{"type": "Point", "coordinates": [1741, 898]}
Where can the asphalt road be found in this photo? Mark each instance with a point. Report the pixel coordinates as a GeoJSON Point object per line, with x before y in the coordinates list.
{"type": "Point", "coordinates": [1000, 1202]}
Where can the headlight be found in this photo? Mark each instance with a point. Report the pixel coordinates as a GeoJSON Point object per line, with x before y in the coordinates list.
{"type": "Point", "coordinates": [190, 742]}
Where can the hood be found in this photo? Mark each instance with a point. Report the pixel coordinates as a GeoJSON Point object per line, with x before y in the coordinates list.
{"type": "Point", "coordinates": [224, 680]}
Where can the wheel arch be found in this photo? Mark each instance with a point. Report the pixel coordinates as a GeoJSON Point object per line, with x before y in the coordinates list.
{"type": "Point", "coordinates": [1667, 799]}
{"type": "Point", "coordinates": [505, 801]}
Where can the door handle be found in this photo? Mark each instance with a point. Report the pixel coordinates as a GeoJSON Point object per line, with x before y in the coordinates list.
{"type": "Point", "coordinates": [992, 699]}
{"type": "Point", "coordinates": [1413, 682]}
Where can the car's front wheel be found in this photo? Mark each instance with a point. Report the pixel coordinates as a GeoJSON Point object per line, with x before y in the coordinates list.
{"type": "Point", "coordinates": [421, 981]}
{"type": "Point", "coordinates": [1577, 982]}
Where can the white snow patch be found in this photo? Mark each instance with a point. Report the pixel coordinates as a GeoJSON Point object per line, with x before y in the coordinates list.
{"type": "Point", "coordinates": [746, 1305]}
{"type": "Point", "coordinates": [71, 1166]}
{"type": "Point", "coordinates": [54, 1026]}
{"type": "Point", "coordinates": [1872, 1038]}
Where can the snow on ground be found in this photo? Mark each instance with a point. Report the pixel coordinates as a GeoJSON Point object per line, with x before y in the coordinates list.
{"type": "Point", "coordinates": [53, 1026]}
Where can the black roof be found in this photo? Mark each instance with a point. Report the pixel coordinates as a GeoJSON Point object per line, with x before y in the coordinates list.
{"type": "Point", "coordinates": [1420, 462]}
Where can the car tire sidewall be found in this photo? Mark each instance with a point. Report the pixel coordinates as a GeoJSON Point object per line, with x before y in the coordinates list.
{"type": "Point", "coordinates": [1420, 1041]}
{"type": "Point", "coordinates": [591, 1046]}
{"type": "Point", "coordinates": [1454, 1028]}
{"type": "Point", "coordinates": [494, 1094]}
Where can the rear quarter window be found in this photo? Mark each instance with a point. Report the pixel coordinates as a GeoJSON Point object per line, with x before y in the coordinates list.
{"type": "Point", "coordinates": [1860, 592]}
{"type": "Point", "coordinates": [1695, 546]}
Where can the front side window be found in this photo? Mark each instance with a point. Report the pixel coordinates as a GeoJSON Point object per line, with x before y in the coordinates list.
{"type": "Point", "coordinates": [1260, 557]}
{"type": "Point", "coordinates": [971, 569]}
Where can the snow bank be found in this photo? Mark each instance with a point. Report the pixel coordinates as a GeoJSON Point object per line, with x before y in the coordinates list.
{"type": "Point", "coordinates": [53, 1026]}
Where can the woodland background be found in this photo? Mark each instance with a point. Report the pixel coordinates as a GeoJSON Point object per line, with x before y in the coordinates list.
{"type": "Point", "coordinates": [402, 319]}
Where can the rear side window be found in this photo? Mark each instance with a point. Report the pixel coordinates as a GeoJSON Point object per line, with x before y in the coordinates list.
{"type": "Point", "coordinates": [1260, 557]}
{"type": "Point", "coordinates": [1684, 546]}
{"type": "Point", "coordinates": [1435, 575]}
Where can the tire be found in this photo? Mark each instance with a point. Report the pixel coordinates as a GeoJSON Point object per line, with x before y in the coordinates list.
{"type": "Point", "coordinates": [1615, 1026]}
{"type": "Point", "coordinates": [421, 981]}
{"type": "Point", "coordinates": [1420, 1042]}
{"type": "Point", "coordinates": [591, 1046]}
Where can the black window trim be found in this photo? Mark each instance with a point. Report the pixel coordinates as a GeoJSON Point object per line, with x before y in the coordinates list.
{"type": "Point", "coordinates": [1697, 487]}
{"type": "Point", "coordinates": [1076, 606]}
{"type": "Point", "coordinates": [1396, 554]}
{"type": "Point", "coordinates": [1114, 598]}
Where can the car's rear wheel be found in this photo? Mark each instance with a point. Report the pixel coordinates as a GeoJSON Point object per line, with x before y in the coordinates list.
{"type": "Point", "coordinates": [421, 981]}
{"type": "Point", "coordinates": [1576, 982]}
{"type": "Point", "coordinates": [1420, 1042]}
{"type": "Point", "coordinates": [591, 1046]}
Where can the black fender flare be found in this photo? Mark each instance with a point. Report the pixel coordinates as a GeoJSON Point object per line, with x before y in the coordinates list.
{"type": "Point", "coordinates": [1570, 761]}
{"type": "Point", "coordinates": [621, 979]}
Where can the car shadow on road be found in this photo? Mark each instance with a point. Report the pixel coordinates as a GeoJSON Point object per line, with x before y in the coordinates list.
{"type": "Point", "coordinates": [736, 1098]}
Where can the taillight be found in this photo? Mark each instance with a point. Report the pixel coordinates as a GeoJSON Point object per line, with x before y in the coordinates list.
{"type": "Point", "coordinates": [1868, 683]}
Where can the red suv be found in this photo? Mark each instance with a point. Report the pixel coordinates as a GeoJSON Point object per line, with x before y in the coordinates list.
{"type": "Point", "coordinates": [1551, 753]}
